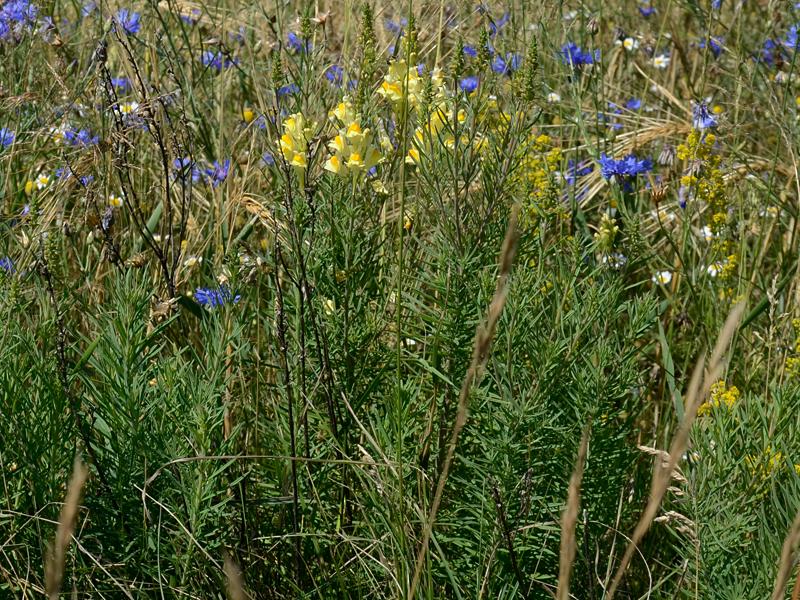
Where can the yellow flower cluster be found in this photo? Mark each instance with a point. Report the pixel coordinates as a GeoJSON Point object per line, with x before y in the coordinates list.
{"type": "Point", "coordinates": [720, 396]}
{"type": "Point", "coordinates": [297, 133]}
{"type": "Point", "coordinates": [437, 131]}
{"type": "Point", "coordinates": [765, 466]}
{"type": "Point", "coordinates": [606, 233]}
{"type": "Point", "coordinates": [353, 150]}
{"type": "Point", "coordinates": [707, 183]}
{"type": "Point", "coordinates": [403, 81]}
{"type": "Point", "coordinates": [541, 162]}
{"type": "Point", "coordinates": [793, 362]}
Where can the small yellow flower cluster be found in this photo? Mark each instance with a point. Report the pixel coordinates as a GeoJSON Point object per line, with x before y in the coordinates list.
{"type": "Point", "coordinates": [541, 162]}
{"type": "Point", "coordinates": [793, 362]}
{"type": "Point", "coordinates": [765, 466]}
{"type": "Point", "coordinates": [353, 150]}
{"type": "Point", "coordinates": [720, 396]}
{"type": "Point", "coordinates": [297, 133]}
{"type": "Point", "coordinates": [707, 183]}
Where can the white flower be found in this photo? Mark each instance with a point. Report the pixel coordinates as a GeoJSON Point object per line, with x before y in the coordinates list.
{"type": "Point", "coordinates": [615, 260]}
{"type": "Point", "coordinates": [770, 211]}
{"type": "Point", "coordinates": [707, 233]}
{"type": "Point", "coordinates": [630, 44]}
{"type": "Point", "coordinates": [661, 61]}
{"type": "Point", "coordinates": [41, 181]}
{"type": "Point", "coordinates": [662, 277]}
{"type": "Point", "coordinates": [192, 261]}
{"type": "Point", "coordinates": [714, 269]}
{"type": "Point", "coordinates": [553, 98]}
{"type": "Point", "coordinates": [127, 108]}
{"type": "Point", "coordinates": [571, 15]}
{"type": "Point", "coordinates": [115, 201]}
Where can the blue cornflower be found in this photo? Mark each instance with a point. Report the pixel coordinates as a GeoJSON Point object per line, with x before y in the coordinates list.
{"type": "Point", "coordinates": [268, 159]}
{"type": "Point", "coordinates": [185, 168]}
{"type": "Point", "coordinates": [130, 21]}
{"type": "Point", "coordinates": [572, 54]}
{"type": "Point", "coordinates": [213, 297]}
{"type": "Point", "coordinates": [7, 265]}
{"type": "Point", "coordinates": [647, 11]}
{"type": "Point", "coordinates": [193, 18]}
{"type": "Point", "coordinates": [716, 4]}
{"type": "Point", "coordinates": [286, 90]}
{"type": "Point", "coordinates": [496, 26]}
{"type": "Point", "coordinates": [65, 173]}
{"type": "Point", "coordinates": [610, 120]}
{"type": "Point", "coordinates": [17, 16]}
{"type": "Point", "coordinates": [469, 84]}
{"type": "Point", "coordinates": [769, 51]}
{"type": "Point", "coordinates": [238, 36]}
{"type": "Point", "coordinates": [216, 60]}
{"type": "Point", "coordinates": [701, 118]}
{"type": "Point", "coordinates": [470, 51]}
{"type": "Point", "coordinates": [335, 74]}
{"type": "Point", "coordinates": [577, 169]}
{"type": "Point", "coordinates": [623, 168]}
{"type": "Point", "coordinates": [296, 44]}
{"type": "Point", "coordinates": [7, 137]}
{"type": "Point", "coordinates": [790, 41]}
{"type": "Point", "coordinates": [81, 137]}
{"type": "Point", "coordinates": [507, 65]}
{"type": "Point", "coordinates": [633, 104]}
{"type": "Point", "coordinates": [714, 44]}
{"type": "Point", "coordinates": [218, 172]}
{"type": "Point", "coordinates": [121, 84]}
{"type": "Point", "coordinates": [396, 28]}
{"type": "Point", "coordinates": [88, 8]}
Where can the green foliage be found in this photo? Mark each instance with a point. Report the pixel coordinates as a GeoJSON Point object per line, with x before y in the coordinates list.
{"type": "Point", "coordinates": [245, 250]}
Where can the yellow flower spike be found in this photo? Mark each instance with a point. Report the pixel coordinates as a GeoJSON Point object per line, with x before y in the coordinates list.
{"type": "Point", "coordinates": [28, 187]}
{"type": "Point", "coordinates": [295, 139]}
{"type": "Point", "coordinates": [248, 115]}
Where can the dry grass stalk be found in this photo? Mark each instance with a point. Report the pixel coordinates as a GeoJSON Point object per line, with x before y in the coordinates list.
{"type": "Point", "coordinates": [787, 561]}
{"type": "Point", "coordinates": [699, 387]}
{"type": "Point", "coordinates": [54, 568]}
{"type": "Point", "coordinates": [480, 354]}
{"type": "Point", "coordinates": [233, 576]}
{"type": "Point", "coordinates": [569, 519]}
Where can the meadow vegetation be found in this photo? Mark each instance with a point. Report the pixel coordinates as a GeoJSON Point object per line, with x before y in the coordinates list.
{"type": "Point", "coordinates": [400, 299]}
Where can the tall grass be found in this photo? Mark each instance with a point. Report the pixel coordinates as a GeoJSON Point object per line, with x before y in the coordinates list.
{"type": "Point", "coordinates": [249, 278]}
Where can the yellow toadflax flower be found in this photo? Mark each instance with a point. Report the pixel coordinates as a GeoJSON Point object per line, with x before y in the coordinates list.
{"type": "Point", "coordinates": [403, 80]}
{"type": "Point", "coordinates": [438, 130]}
{"type": "Point", "coordinates": [353, 150]}
{"type": "Point", "coordinates": [297, 133]}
